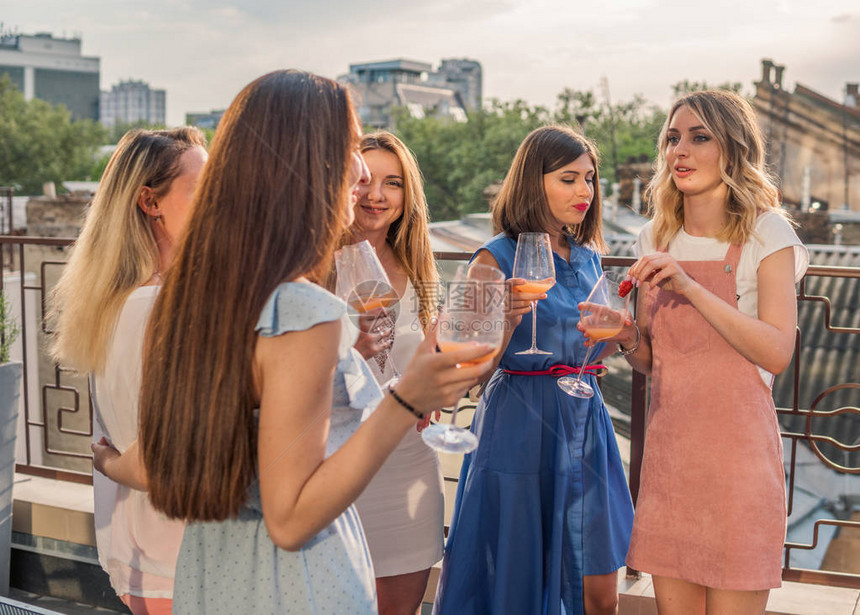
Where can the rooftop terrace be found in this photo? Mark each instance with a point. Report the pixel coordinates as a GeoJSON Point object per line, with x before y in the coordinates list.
{"type": "Point", "coordinates": [818, 399]}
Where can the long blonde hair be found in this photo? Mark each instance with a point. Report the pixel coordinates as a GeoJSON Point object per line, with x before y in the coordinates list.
{"type": "Point", "coordinates": [409, 235]}
{"type": "Point", "coordinates": [116, 251]}
{"type": "Point", "coordinates": [732, 122]}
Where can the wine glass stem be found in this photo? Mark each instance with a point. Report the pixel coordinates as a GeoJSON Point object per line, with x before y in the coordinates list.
{"type": "Point", "coordinates": [584, 364]}
{"type": "Point", "coordinates": [534, 325]}
{"type": "Point", "coordinates": [454, 414]}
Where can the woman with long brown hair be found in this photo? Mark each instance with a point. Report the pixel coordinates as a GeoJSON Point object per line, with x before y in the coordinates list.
{"type": "Point", "coordinates": [403, 506]}
{"type": "Point", "coordinates": [102, 303]}
{"type": "Point", "coordinates": [252, 392]}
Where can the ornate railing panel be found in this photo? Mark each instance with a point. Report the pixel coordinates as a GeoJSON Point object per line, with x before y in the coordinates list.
{"type": "Point", "coordinates": [57, 415]}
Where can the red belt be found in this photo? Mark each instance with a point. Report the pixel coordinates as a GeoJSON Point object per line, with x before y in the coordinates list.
{"type": "Point", "coordinates": [560, 370]}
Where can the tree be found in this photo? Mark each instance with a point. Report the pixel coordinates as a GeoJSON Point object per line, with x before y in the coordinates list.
{"type": "Point", "coordinates": [686, 86]}
{"type": "Point", "coordinates": [116, 132]}
{"type": "Point", "coordinates": [577, 108]}
{"type": "Point", "coordinates": [40, 143]}
{"type": "Point", "coordinates": [631, 127]}
{"type": "Point", "coordinates": [460, 160]}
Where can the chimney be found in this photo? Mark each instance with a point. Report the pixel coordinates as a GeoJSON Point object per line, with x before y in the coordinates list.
{"type": "Point", "coordinates": [777, 80]}
{"type": "Point", "coordinates": [766, 69]}
{"type": "Point", "coordinates": [851, 97]}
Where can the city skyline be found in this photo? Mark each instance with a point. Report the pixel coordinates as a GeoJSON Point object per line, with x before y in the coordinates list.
{"type": "Point", "coordinates": [203, 52]}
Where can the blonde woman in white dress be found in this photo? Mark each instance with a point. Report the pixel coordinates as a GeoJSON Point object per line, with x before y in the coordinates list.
{"type": "Point", "coordinates": [103, 302]}
{"type": "Point", "coordinates": [402, 508]}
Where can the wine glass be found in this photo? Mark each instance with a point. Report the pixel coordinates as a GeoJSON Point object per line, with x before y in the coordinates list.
{"type": "Point", "coordinates": [533, 263]}
{"type": "Point", "coordinates": [473, 313]}
{"type": "Point", "coordinates": [363, 283]}
{"type": "Point", "coordinates": [603, 316]}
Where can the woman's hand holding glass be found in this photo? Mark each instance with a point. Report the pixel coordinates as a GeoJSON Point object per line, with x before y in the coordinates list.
{"type": "Point", "coordinates": [520, 302]}
{"type": "Point", "coordinates": [363, 283]}
{"type": "Point", "coordinates": [602, 317]}
{"type": "Point", "coordinates": [473, 316]}
{"type": "Point", "coordinates": [437, 379]}
{"type": "Point", "coordinates": [374, 332]}
{"type": "Point", "coordinates": [533, 263]}
{"type": "Point", "coordinates": [626, 336]}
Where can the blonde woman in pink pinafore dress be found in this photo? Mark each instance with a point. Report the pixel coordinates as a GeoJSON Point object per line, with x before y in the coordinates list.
{"type": "Point", "coordinates": [716, 320]}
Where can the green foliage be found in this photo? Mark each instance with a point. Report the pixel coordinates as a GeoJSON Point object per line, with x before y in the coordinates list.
{"type": "Point", "coordinates": [116, 132]}
{"type": "Point", "coordinates": [688, 87]}
{"type": "Point", "coordinates": [626, 130]}
{"type": "Point", "coordinates": [209, 133]}
{"type": "Point", "coordinates": [98, 167]}
{"type": "Point", "coordinates": [41, 143]}
{"type": "Point", "coordinates": [459, 161]}
{"type": "Point", "coordinates": [9, 329]}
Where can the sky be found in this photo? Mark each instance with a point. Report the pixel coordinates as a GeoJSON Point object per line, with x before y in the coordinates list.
{"type": "Point", "coordinates": [202, 52]}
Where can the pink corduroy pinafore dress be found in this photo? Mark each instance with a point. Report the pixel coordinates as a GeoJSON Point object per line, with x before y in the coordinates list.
{"type": "Point", "coordinates": [711, 507]}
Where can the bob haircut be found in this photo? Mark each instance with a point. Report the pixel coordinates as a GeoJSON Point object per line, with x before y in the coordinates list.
{"type": "Point", "coordinates": [521, 205]}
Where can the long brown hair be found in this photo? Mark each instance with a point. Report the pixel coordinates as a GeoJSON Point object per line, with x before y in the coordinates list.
{"type": "Point", "coordinates": [116, 251]}
{"type": "Point", "coordinates": [732, 122]}
{"type": "Point", "coordinates": [270, 208]}
{"type": "Point", "coordinates": [521, 205]}
{"type": "Point", "coordinates": [409, 235]}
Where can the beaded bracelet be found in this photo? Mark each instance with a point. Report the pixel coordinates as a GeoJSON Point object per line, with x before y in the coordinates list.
{"type": "Point", "coordinates": [404, 403]}
{"type": "Point", "coordinates": [635, 346]}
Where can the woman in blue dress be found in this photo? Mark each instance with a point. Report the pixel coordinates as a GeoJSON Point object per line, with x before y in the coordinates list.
{"type": "Point", "coordinates": [543, 514]}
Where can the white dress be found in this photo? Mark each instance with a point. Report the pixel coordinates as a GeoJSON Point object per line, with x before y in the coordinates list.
{"type": "Point", "coordinates": [137, 545]}
{"type": "Point", "coordinates": [402, 508]}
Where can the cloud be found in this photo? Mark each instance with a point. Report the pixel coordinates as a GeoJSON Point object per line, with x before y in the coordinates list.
{"type": "Point", "coordinates": [844, 18]}
{"type": "Point", "coordinates": [204, 51]}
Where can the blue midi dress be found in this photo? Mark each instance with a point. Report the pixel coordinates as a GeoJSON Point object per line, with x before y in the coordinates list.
{"type": "Point", "coordinates": [233, 566]}
{"type": "Point", "coordinates": [543, 500]}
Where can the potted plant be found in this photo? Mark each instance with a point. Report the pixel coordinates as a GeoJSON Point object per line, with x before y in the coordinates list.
{"type": "Point", "coordinates": [10, 387]}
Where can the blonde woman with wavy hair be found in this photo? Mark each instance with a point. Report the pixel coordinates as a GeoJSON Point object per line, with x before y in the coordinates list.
{"type": "Point", "coordinates": [101, 305]}
{"type": "Point", "coordinates": [732, 122]}
{"type": "Point", "coordinates": [403, 506]}
{"type": "Point", "coordinates": [716, 320]}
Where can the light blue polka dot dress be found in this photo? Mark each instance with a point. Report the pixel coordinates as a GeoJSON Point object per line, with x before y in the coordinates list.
{"type": "Point", "coordinates": [233, 566]}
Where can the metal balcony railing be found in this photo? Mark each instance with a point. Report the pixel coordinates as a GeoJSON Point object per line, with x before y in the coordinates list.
{"type": "Point", "coordinates": [57, 415]}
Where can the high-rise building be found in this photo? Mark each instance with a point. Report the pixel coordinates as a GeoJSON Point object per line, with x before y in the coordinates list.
{"type": "Point", "coordinates": [132, 101]}
{"type": "Point", "coordinates": [207, 120]}
{"type": "Point", "coordinates": [462, 75]}
{"type": "Point", "coordinates": [380, 86]}
{"type": "Point", "coordinates": [53, 70]}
